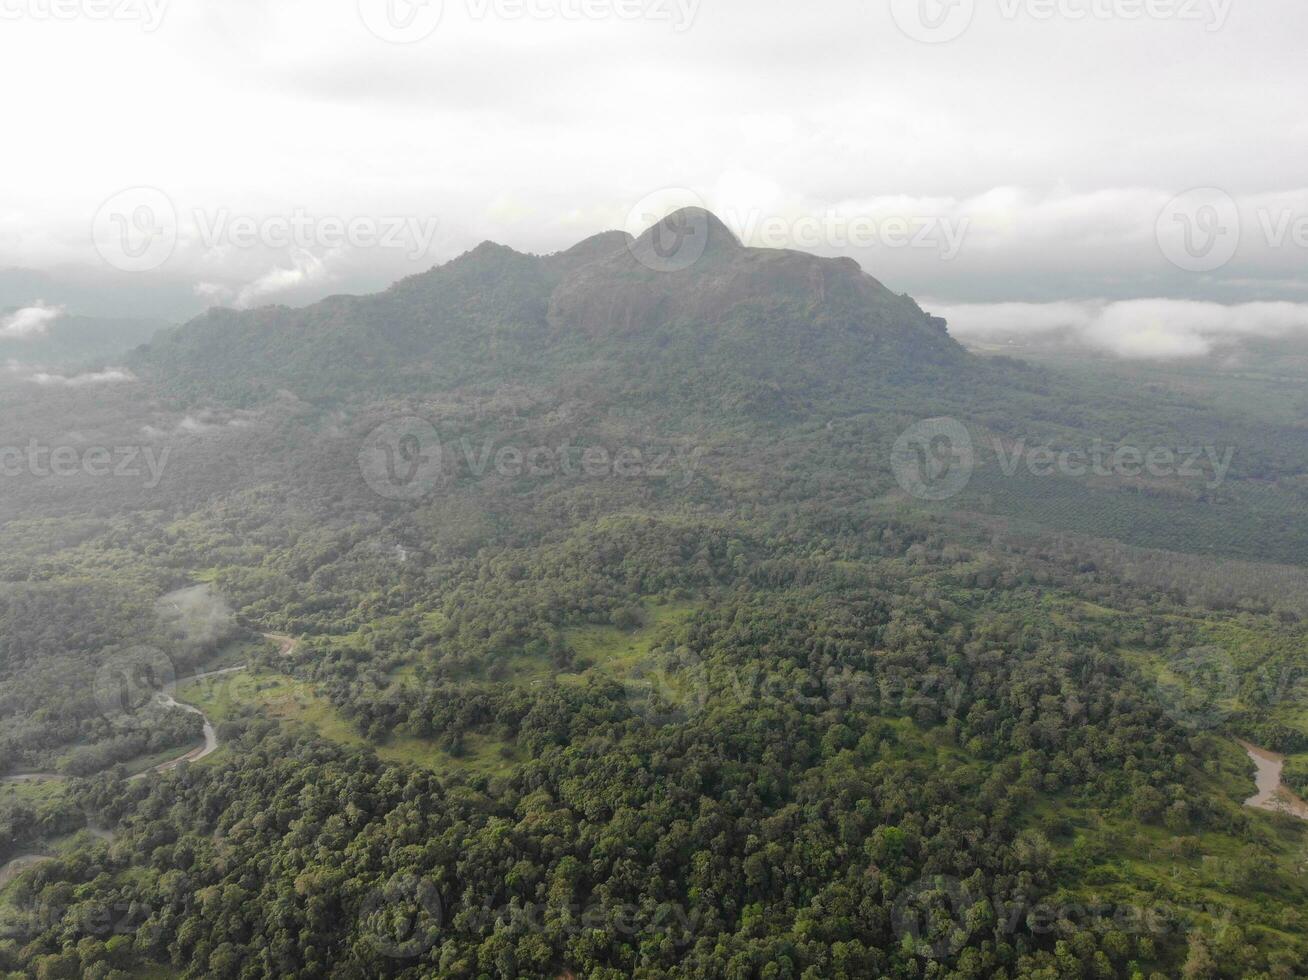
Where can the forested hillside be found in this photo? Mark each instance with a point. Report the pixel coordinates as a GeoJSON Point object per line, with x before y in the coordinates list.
{"type": "Point", "coordinates": [590, 617]}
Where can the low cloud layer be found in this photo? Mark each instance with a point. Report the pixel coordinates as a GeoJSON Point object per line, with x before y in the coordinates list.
{"type": "Point", "coordinates": [306, 270]}
{"type": "Point", "coordinates": [31, 321]}
{"type": "Point", "coordinates": [204, 422]}
{"type": "Point", "coordinates": [1147, 328]}
{"type": "Point", "coordinates": [198, 617]}
{"type": "Point", "coordinates": [107, 376]}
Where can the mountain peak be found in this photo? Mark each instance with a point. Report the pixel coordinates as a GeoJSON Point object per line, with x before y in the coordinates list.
{"type": "Point", "coordinates": [683, 237]}
{"type": "Point", "coordinates": [686, 288]}
{"type": "Point", "coordinates": [695, 216]}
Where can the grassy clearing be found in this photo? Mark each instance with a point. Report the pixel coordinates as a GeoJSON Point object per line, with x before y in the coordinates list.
{"type": "Point", "coordinates": [233, 696]}
{"type": "Point", "coordinates": [600, 651]}
{"type": "Point", "coordinates": [295, 704]}
{"type": "Point", "coordinates": [613, 652]}
{"type": "Point", "coordinates": [31, 793]}
{"type": "Point", "coordinates": [483, 754]}
{"type": "Point", "coordinates": [1177, 879]}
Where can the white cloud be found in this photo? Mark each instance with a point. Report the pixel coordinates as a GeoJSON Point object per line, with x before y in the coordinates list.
{"type": "Point", "coordinates": [213, 291]}
{"type": "Point", "coordinates": [306, 269]}
{"type": "Point", "coordinates": [31, 321]}
{"type": "Point", "coordinates": [107, 376]}
{"type": "Point", "coordinates": [199, 424]}
{"type": "Point", "coordinates": [1146, 328]}
{"type": "Point", "coordinates": [192, 424]}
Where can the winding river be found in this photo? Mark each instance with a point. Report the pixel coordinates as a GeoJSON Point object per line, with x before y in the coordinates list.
{"type": "Point", "coordinates": [8, 872]}
{"type": "Point", "coordinates": [18, 865]}
{"type": "Point", "coordinates": [1273, 795]}
{"type": "Point", "coordinates": [209, 747]}
{"type": "Point", "coordinates": [285, 647]}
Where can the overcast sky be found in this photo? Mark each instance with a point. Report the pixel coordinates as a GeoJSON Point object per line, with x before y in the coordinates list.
{"type": "Point", "coordinates": [1024, 152]}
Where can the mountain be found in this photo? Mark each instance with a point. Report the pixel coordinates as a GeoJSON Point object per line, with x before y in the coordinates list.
{"type": "Point", "coordinates": [685, 333]}
{"type": "Point", "coordinates": [495, 313]}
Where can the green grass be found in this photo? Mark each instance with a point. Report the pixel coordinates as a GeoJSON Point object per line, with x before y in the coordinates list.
{"type": "Point", "coordinates": [483, 754]}
{"type": "Point", "coordinates": [1274, 659]}
{"type": "Point", "coordinates": [31, 793]}
{"type": "Point", "coordinates": [611, 651]}
{"type": "Point", "coordinates": [1202, 876]}
{"type": "Point", "coordinates": [600, 651]}
{"type": "Point", "coordinates": [296, 704]}
{"type": "Point", "coordinates": [1259, 876]}
{"type": "Point", "coordinates": [231, 696]}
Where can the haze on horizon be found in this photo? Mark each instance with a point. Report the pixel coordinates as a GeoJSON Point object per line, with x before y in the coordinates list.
{"type": "Point", "coordinates": [1030, 161]}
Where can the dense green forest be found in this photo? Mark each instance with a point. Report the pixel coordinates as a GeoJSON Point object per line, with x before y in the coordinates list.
{"type": "Point", "coordinates": [664, 669]}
